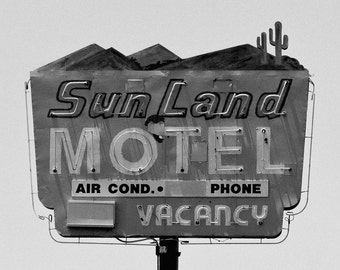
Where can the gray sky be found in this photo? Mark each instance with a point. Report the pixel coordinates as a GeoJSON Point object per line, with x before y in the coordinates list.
{"type": "Point", "coordinates": [35, 33]}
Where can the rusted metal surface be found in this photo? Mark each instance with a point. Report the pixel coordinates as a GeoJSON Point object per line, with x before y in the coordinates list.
{"type": "Point", "coordinates": [260, 139]}
{"type": "Point", "coordinates": [152, 145]}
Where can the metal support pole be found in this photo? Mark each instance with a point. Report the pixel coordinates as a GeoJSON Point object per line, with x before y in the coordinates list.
{"type": "Point", "coordinates": [167, 254]}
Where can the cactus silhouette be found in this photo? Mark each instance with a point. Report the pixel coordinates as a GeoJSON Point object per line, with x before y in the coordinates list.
{"type": "Point", "coordinates": [279, 46]}
{"type": "Point", "coordinates": [262, 44]}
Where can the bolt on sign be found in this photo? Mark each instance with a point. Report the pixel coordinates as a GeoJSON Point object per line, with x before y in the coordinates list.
{"type": "Point", "coordinates": [154, 145]}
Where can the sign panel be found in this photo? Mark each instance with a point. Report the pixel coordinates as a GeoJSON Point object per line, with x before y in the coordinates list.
{"type": "Point", "coordinates": [161, 188]}
{"type": "Point", "coordinates": [169, 153]}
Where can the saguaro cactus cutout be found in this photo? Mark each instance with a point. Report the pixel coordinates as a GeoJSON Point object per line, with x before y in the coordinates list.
{"type": "Point", "coordinates": [262, 44]}
{"type": "Point", "coordinates": [279, 46]}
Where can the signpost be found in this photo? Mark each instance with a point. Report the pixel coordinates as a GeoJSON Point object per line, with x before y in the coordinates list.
{"type": "Point", "coordinates": [170, 152]}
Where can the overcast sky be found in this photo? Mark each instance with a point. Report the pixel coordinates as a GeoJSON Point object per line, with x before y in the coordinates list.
{"type": "Point", "coordinates": [34, 33]}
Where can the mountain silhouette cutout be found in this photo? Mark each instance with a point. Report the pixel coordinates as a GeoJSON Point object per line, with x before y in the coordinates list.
{"type": "Point", "coordinates": [157, 57]}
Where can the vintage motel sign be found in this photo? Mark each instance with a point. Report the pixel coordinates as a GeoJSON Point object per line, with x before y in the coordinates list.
{"type": "Point", "coordinates": [181, 152]}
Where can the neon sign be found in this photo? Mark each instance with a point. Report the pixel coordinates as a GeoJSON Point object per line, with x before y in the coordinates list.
{"type": "Point", "coordinates": [207, 104]}
{"type": "Point", "coordinates": [90, 139]}
{"type": "Point", "coordinates": [188, 153]}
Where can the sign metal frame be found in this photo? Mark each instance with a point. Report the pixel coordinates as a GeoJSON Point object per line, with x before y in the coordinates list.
{"type": "Point", "coordinates": [197, 235]}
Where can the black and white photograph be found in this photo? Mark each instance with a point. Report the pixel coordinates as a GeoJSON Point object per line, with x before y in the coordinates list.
{"type": "Point", "coordinates": [152, 134]}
